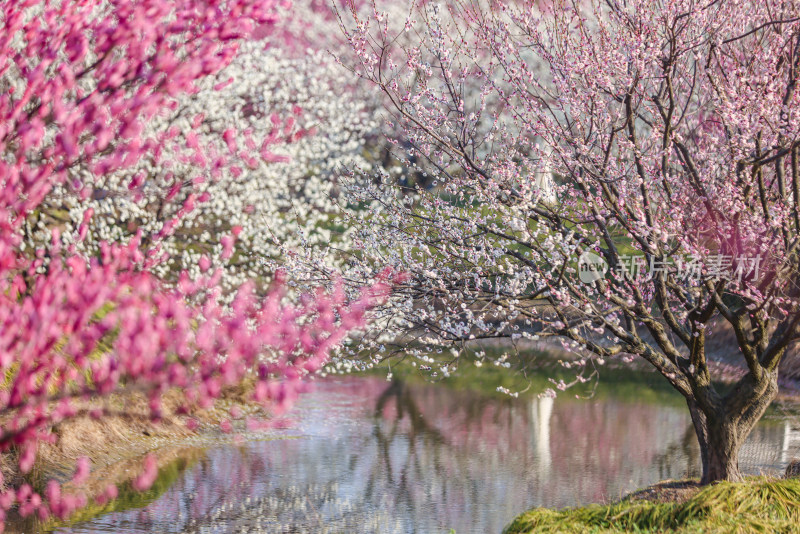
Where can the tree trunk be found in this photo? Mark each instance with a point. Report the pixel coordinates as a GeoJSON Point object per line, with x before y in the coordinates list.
{"type": "Point", "coordinates": [721, 434]}
{"type": "Point", "coordinates": [719, 447]}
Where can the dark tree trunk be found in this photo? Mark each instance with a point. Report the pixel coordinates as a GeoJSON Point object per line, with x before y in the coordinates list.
{"type": "Point", "coordinates": [721, 433]}
{"type": "Point", "coordinates": [719, 447]}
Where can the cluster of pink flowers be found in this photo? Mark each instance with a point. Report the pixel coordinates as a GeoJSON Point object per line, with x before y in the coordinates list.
{"type": "Point", "coordinates": [78, 80]}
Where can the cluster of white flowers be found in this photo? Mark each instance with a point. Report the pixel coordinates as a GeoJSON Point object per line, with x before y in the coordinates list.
{"type": "Point", "coordinates": [287, 119]}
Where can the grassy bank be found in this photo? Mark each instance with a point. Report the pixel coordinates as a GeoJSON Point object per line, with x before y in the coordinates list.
{"type": "Point", "coordinates": [116, 446]}
{"type": "Point", "coordinates": [533, 371]}
{"type": "Point", "coordinates": [756, 505]}
{"type": "Point", "coordinates": [642, 384]}
{"type": "Point", "coordinates": [172, 464]}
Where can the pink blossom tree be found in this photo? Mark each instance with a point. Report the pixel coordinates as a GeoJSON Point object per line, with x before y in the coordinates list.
{"type": "Point", "coordinates": [622, 175]}
{"type": "Point", "coordinates": [79, 81]}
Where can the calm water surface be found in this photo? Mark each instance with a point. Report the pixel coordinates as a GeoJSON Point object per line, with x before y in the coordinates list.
{"type": "Point", "coordinates": [366, 455]}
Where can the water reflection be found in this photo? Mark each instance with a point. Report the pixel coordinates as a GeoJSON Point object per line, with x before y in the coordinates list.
{"type": "Point", "coordinates": [372, 456]}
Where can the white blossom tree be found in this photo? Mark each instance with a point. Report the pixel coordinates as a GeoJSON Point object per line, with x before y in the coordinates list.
{"type": "Point", "coordinates": [287, 121]}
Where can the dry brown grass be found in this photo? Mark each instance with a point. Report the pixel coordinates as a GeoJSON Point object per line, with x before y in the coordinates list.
{"type": "Point", "coordinates": [667, 491]}
{"type": "Point", "coordinates": [116, 444]}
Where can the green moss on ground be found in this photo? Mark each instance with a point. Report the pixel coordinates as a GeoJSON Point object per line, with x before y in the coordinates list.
{"type": "Point", "coordinates": [755, 505]}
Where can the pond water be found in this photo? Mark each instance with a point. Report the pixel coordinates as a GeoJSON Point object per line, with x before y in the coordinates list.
{"type": "Point", "coordinates": [365, 455]}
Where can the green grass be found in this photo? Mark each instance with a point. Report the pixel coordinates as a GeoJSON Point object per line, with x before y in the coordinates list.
{"type": "Point", "coordinates": [531, 370]}
{"type": "Point", "coordinates": [530, 374]}
{"type": "Point", "coordinates": [128, 497]}
{"type": "Point", "coordinates": [756, 505]}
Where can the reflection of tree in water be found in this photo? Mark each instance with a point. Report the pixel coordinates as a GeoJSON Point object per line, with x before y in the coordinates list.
{"type": "Point", "coordinates": [219, 496]}
{"type": "Point", "coordinates": [684, 451]}
{"type": "Point", "coordinates": [399, 457]}
{"type": "Point", "coordinates": [419, 435]}
{"type": "Point", "coordinates": [294, 509]}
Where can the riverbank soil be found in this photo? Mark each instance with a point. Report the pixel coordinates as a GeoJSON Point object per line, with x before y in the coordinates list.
{"type": "Point", "coordinates": [667, 491]}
